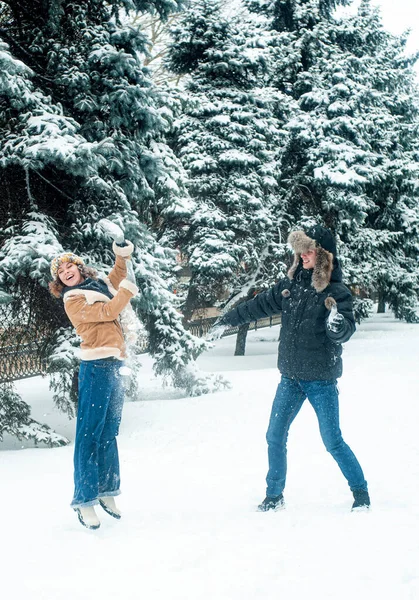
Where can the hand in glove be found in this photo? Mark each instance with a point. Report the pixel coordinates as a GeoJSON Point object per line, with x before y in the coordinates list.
{"type": "Point", "coordinates": [130, 276]}
{"type": "Point", "coordinates": [335, 319]}
{"type": "Point", "coordinates": [113, 230]}
{"type": "Point", "coordinates": [216, 331]}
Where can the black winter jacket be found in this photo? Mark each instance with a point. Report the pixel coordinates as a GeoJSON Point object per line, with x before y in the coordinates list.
{"type": "Point", "coordinates": [307, 348]}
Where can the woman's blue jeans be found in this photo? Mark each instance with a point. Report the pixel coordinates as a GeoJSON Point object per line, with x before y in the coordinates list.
{"type": "Point", "coordinates": [323, 397]}
{"type": "Point", "coordinates": [96, 461]}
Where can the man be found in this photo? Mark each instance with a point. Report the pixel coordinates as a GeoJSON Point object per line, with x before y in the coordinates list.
{"type": "Point", "coordinates": [317, 318]}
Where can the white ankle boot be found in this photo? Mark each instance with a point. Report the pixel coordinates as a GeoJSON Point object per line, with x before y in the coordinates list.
{"type": "Point", "coordinates": [109, 506]}
{"type": "Point", "coordinates": [88, 517]}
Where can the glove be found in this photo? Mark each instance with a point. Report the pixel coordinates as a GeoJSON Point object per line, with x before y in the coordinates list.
{"type": "Point", "coordinates": [335, 320]}
{"type": "Point", "coordinates": [113, 230]}
{"type": "Point", "coordinates": [216, 331]}
{"type": "Point", "coordinates": [130, 276]}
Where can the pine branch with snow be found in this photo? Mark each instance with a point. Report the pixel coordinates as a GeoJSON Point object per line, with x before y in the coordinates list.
{"type": "Point", "coordinates": [15, 420]}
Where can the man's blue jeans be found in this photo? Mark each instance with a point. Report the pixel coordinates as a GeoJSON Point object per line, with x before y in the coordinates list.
{"type": "Point", "coordinates": [96, 461]}
{"type": "Point", "coordinates": [323, 397]}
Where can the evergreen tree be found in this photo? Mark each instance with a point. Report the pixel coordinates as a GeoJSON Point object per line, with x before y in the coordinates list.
{"type": "Point", "coordinates": [81, 138]}
{"type": "Point", "coordinates": [229, 141]}
{"type": "Point", "coordinates": [386, 101]}
{"type": "Point", "coordinates": [351, 157]}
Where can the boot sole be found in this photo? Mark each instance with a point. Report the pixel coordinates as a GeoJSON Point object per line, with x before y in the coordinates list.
{"type": "Point", "coordinates": [273, 509]}
{"type": "Point", "coordinates": [364, 508]}
{"type": "Point", "coordinates": [84, 522]}
{"type": "Point", "coordinates": [109, 511]}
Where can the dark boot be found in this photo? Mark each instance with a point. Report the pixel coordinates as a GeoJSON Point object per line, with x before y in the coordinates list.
{"type": "Point", "coordinates": [272, 503]}
{"type": "Point", "coordinates": [361, 499]}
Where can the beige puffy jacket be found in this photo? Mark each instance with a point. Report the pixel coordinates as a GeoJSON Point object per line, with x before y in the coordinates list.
{"type": "Point", "coordinates": [96, 317]}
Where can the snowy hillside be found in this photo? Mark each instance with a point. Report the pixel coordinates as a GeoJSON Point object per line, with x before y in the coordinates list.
{"type": "Point", "coordinates": [193, 472]}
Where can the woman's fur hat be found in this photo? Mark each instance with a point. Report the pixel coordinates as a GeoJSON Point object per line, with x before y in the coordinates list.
{"type": "Point", "coordinates": [315, 238]}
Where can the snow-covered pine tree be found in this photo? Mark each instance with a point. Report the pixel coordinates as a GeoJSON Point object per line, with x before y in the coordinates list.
{"type": "Point", "coordinates": [351, 157]}
{"type": "Point", "coordinates": [300, 45]}
{"type": "Point", "coordinates": [81, 138]}
{"type": "Point", "coordinates": [228, 139]}
{"type": "Point", "coordinates": [384, 98]}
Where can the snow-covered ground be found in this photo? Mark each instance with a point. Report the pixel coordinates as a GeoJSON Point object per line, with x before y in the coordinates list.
{"type": "Point", "coordinates": [193, 472]}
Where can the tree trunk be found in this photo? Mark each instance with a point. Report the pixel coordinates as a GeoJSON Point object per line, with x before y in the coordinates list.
{"type": "Point", "coordinates": [241, 340]}
{"type": "Point", "coordinates": [192, 302]}
{"type": "Point", "coordinates": [381, 303]}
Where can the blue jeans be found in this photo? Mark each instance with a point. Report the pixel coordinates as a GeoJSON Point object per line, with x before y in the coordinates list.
{"type": "Point", "coordinates": [96, 461]}
{"type": "Point", "coordinates": [323, 397]}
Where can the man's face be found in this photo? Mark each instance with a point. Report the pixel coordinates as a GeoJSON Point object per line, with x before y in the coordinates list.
{"type": "Point", "coordinates": [69, 274]}
{"type": "Point", "coordinates": [309, 259]}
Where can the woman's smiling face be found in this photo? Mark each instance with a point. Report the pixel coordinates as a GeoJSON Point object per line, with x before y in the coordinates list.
{"type": "Point", "coordinates": [69, 274]}
{"type": "Point", "coordinates": [309, 259]}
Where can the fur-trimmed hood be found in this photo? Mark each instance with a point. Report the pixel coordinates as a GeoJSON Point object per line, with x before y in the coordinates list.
{"type": "Point", "coordinates": [327, 267]}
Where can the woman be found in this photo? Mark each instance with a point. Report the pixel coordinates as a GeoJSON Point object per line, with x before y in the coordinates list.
{"type": "Point", "coordinates": [317, 318]}
{"type": "Point", "coordinates": [93, 306]}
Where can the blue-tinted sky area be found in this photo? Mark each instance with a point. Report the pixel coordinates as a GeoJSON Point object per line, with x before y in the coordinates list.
{"type": "Point", "coordinates": [398, 16]}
